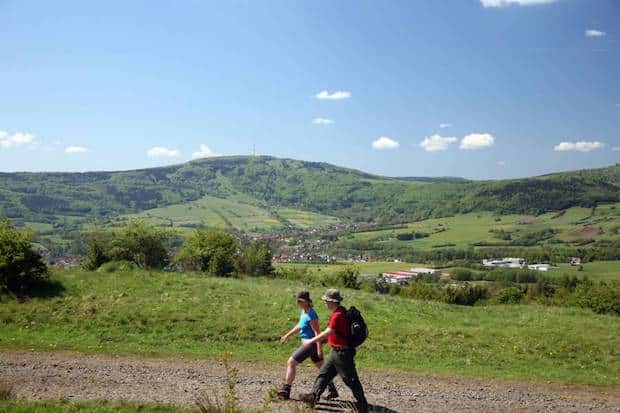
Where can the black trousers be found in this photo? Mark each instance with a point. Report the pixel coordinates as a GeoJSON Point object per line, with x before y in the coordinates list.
{"type": "Point", "coordinates": [342, 363]}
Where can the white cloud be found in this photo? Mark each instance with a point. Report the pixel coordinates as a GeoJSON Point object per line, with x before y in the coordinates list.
{"type": "Point", "coordinates": [322, 121]}
{"type": "Point", "coordinates": [594, 33]}
{"type": "Point", "coordinates": [76, 149]}
{"type": "Point", "coordinates": [501, 163]}
{"type": "Point", "coordinates": [436, 143]}
{"type": "Point", "coordinates": [162, 152]}
{"type": "Point", "coordinates": [476, 141]}
{"type": "Point", "coordinates": [445, 125]}
{"type": "Point", "coordinates": [580, 146]}
{"type": "Point", "coordinates": [11, 140]}
{"type": "Point", "coordinates": [337, 95]}
{"type": "Point", "coordinates": [384, 142]}
{"type": "Point", "coordinates": [506, 3]}
{"type": "Point", "coordinates": [204, 152]}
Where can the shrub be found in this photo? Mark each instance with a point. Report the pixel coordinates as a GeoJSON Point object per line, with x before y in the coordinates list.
{"type": "Point", "coordinates": [97, 250]}
{"type": "Point", "coordinates": [380, 285]}
{"type": "Point", "coordinates": [422, 291]}
{"type": "Point", "coordinates": [117, 266]}
{"type": "Point", "coordinates": [510, 295]}
{"type": "Point", "coordinates": [294, 274]}
{"type": "Point", "coordinates": [213, 252]}
{"type": "Point", "coordinates": [138, 242]}
{"type": "Point", "coordinates": [543, 288]}
{"type": "Point", "coordinates": [255, 259]}
{"type": "Point", "coordinates": [395, 289]}
{"type": "Point", "coordinates": [348, 277]}
{"type": "Point", "coordinates": [602, 298]}
{"type": "Point", "coordinates": [461, 274]}
{"type": "Point", "coordinates": [21, 267]}
{"type": "Point", "coordinates": [465, 294]}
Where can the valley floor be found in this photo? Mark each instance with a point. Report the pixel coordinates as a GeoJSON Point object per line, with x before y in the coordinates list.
{"type": "Point", "coordinates": [76, 376]}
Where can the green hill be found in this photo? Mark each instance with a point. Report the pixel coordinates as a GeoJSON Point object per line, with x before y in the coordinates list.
{"type": "Point", "coordinates": [270, 184]}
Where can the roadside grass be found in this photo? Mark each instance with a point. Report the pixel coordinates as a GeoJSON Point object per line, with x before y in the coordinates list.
{"type": "Point", "coordinates": [172, 314]}
{"type": "Point", "coordinates": [94, 406]}
{"type": "Point", "coordinates": [6, 390]}
{"type": "Point", "coordinates": [467, 229]}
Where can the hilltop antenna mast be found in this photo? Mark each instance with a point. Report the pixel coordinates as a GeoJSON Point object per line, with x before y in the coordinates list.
{"type": "Point", "coordinates": [254, 149]}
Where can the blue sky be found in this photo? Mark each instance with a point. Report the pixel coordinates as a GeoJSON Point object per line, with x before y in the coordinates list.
{"type": "Point", "coordinates": [519, 88]}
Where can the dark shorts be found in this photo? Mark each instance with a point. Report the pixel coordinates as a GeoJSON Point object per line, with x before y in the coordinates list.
{"type": "Point", "coordinates": [302, 353]}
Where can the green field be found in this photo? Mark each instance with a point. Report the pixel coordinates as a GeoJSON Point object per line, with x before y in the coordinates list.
{"type": "Point", "coordinates": [596, 271]}
{"type": "Point", "coordinates": [171, 314]}
{"type": "Point", "coordinates": [573, 226]}
{"type": "Point", "coordinates": [221, 213]}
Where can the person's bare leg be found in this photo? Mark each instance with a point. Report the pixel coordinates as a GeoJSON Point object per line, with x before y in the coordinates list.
{"type": "Point", "coordinates": [291, 371]}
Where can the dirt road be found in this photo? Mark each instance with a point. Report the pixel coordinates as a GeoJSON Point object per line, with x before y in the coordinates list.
{"type": "Point", "coordinates": [40, 375]}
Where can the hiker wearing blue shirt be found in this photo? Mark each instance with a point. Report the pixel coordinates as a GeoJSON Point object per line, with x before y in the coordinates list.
{"type": "Point", "coordinates": [308, 327]}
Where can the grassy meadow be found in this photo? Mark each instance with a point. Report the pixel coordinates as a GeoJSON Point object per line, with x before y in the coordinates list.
{"type": "Point", "coordinates": [173, 314]}
{"type": "Point", "coordinates": [235, 213]}
{"type": "Point", "coordinates": [573, 225]}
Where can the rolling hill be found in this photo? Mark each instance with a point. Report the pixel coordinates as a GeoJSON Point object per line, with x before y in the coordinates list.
{"type": "Point", "coordinates": [272, 183]}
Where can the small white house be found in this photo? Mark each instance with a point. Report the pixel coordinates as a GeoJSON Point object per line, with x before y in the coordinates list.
{"type": "Point", "coordinates": [505, 262]}
{"type": "Point", "coordinates": [541, 267]}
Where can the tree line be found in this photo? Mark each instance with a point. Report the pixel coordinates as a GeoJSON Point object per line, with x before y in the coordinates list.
{"type": "Point", "coordinates": [143, 245]}
{"type": "Point", "coordinates": [135, 245]}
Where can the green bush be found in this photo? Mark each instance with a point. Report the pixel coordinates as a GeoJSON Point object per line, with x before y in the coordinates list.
{"type": "Point", "coordinates": [97, 250]}
{"type": "Point", "coordinates": [461, 274]}
{"type": "Point", "coordinates": [465, 294]}
{"type": "Point", "coordinates": [422, 291]}
{"type": "Point", "coordinates": [510, 295]}
{"type": "Point", "coordinates": [255, 260]}
{"type": "Point", "coordinates": [213, 252]}
{"type": "Point", "coordinates": [601, 298]}
{"type": "Point", "coordinates": [21, 267]}
{"type": "Point", "coordinates": [137, 242]}
{"type": "Point", "coordinates": [117, 266]}
{"type": "Point", "coordinates": [348, 277]}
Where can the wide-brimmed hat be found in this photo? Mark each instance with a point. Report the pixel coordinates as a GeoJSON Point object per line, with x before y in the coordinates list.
{"type": "Point", "coordinates": [332, 295]}
{"type": "Point", "coordinates": [303, 296]}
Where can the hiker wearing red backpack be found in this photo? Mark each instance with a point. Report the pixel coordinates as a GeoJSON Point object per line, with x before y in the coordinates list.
{"type": "Point", "coordinates": [345, 331]}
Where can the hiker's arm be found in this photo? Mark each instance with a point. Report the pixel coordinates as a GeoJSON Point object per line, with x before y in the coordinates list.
{"type": "Point", "coordinates": [321, 337]}
{"type": "Point", "coordinates": [293, 331]}
{"type": "Point", "coordinates": [314, 324]}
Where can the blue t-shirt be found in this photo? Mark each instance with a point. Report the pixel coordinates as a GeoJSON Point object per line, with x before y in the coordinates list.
{"type": "Point", "coordinates": [305, 330]}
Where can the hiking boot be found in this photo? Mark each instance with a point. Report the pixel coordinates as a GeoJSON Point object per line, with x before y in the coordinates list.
{"type": "Point", "coordinates": [332, 394]}
{"type": "Point", "coordinates": [285, 392]}
{"type": "Point", "coordinates": [308, 398]}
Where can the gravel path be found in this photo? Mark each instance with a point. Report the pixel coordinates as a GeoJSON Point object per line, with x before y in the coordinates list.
{"type": "Point", "coordinates": [39, 375]}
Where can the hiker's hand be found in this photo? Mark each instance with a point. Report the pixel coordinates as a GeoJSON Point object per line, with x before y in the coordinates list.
{"type": "Point", "coordinates": [283, 339]}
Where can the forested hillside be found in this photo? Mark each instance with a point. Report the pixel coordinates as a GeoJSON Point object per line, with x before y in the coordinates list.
{"type": "Point", "coordinates": [311, 186]}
